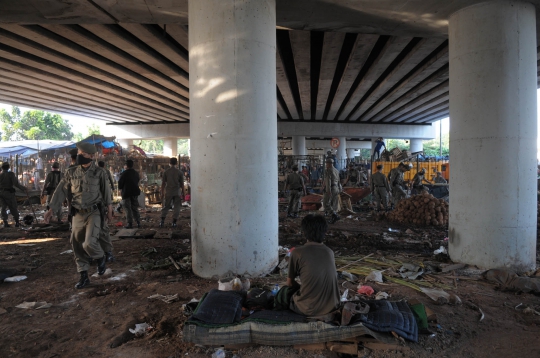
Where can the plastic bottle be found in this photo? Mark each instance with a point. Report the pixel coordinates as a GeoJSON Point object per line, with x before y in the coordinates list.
{"type": "Point", "coordinates": [275, 289]}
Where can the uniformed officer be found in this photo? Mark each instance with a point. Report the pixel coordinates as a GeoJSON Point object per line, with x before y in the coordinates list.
{"type": "Point", "coordinates": [90, 188]}
{"type": "Point", "coordinates": [171, 186]}
{"type": "Point", "coordinates": [8, 182]}
{"type": "Point", "coordinates": [295, 183]}
{"type": "Point", "coordinates": [51, 182]}
{"type": "Point", "coordinates": [331, 189]}
{"type": "Point", "coordinates": [397, 182]}
{"type": "Point", "coordinates": [380, 188]}
{"type": "Point", "coordinates": [439, 179]}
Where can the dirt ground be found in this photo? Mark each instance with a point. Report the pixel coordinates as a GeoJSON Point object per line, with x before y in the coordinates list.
{"type": "Point", "coordinates": [94, 322]}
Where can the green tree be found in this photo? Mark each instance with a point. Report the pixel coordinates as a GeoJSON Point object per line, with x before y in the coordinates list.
{"type": "Point", "coordinates": [34, 124]}
{"type": "Point", "coordinates": [183, 146]}
{"type": "Point", "coordinates": [92, 129]}
{"type": "Point", "coordinates": [151, 145]}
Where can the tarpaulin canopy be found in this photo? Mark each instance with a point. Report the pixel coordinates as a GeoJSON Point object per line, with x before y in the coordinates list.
{"type": "Point", "coordinates": [106, 142]}
{"type": "Point", "coordinates": [29, 147]}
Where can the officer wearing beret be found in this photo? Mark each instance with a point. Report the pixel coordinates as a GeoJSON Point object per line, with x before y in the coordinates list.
{"type": "Point", "coordinates": [91, 191]}
{"type": "Point", "coordinates": [51, 182]}
{"type": "Point", "coordinates": [331, 189]}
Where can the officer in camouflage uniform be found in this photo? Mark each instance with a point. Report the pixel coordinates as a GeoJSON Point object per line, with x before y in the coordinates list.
{"type": "Point", "coordinates": [397, 183]}
{"type": "Point", "coordinates": [295, 183]}
{"type": "Point", "coordinates": [380, 188]}
{"type": "Point", "coordinates": [172, 184]}
{"type": "Point", "coordinates": [331, 189]}
{"type": "Point", "coordinates": [8, 182]}
{"type": "Point", "coordinates": [91, 191]}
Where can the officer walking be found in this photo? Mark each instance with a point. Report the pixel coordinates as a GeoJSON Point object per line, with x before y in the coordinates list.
{"type": "Point", "coordinates": [171, 185]}
{"type": "Point", "coordinates": [295, 183]}
{"type": "Point", "coordinates": [91, 191]}
{"type": "Point", "coordinates": [105, 234]}
{"type": "Point", "coordinates": [51, 182]}
{"type": "Point", "coordinates": [8, 182]}
{"type": "Point", "coordinates": [331, 189]}
{"type": "Point", "coordinates": [380, 188]}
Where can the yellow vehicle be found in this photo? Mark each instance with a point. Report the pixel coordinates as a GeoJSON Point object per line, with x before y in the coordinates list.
{"type": "Point", "coordinates": [432, 168]}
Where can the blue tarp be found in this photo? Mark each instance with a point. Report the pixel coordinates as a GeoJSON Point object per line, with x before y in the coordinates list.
{"type": "Point", "coordinates": [29, 147]}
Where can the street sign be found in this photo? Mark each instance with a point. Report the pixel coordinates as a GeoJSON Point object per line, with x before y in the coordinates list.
{"type": "Point", "coordinates": [334, 142]}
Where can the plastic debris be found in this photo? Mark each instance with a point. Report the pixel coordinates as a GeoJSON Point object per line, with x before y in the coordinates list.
{"type": "Point", "coordinates": [440, 250]}
{"type": "Point", "coordinates": [349, 276]}
{"type": "Point", "coordinates": [375, 276]}
{"type": "Point", "coordinates": [410, 271]}
{"type": "Point", "coordinates": [141, 329]}
{"type": "Point", "coordinates": [344, 296]}
{"type": "Point", "coordinates": [66, 252]}
{"type": "Point", "coordinates": [441, 296]}
{"type": "Point", "coordinates": [381, 295]}
{"type": "Point", "coordinates": [166, 299]}
{"type": "Point", "coordinates": [393, 230]}
{"type": "Point", "coordinates": [365, 290]}
{"type": "Point", "coordinates": [409, 231]}
{"type": "Point", "coordinates": [15, 279]}
{"type": "Point", "coordinates": [220, 353]}
{"type": "Point", "coordinates": [234, 284]}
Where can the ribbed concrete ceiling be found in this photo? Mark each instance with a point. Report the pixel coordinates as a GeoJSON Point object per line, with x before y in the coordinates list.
{"type": "Point", "coordinates": [363, 61]}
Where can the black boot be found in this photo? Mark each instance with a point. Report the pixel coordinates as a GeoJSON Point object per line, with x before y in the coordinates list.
{"type": "Point", "coordinates": [6, 223]}
{"type": "Point", "coordinates": [109, 257]}
{"type": "Point", "coordinates": [162, 223]}
{"type": "Point", "coordinates": [101, 265]}
{"type": "Point", "coordinates": [17, 223]}
{"type": "Point", "coordinates": [138, 224]}
{"type": "Point", "coordinates": [84, 281]}
{"type": "Point", "coordinates": [174, 223]}
{"type": "Point", "coordinates": [335, 217]}
{"type": "Point", "coordinates": [129, 226]}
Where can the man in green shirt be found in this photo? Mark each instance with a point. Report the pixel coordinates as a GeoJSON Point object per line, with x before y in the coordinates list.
{"type": "Point", "coordinates": [8, 182]}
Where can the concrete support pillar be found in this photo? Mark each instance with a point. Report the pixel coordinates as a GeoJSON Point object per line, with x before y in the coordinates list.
{"type": "Point", "coordinates": [232, 82]}
{"type": "Point", "coordinates": [341, 153]}
{"type": "Point", "coordinates": [493, 109]}
{"type": "Point", "coordinates": [170, 147]}
{"type": "Point", "coordinates": [299, 145]}
{"type": "Point", "coordinates": [351, 153]}
{"type": "Point", "coordinates": [417, 145]}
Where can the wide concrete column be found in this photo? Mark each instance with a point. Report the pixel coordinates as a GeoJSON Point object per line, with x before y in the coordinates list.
{"type": "Point", "coordinates": [341, 152]}
{"type": "Point", "coordinates": [232, 82]}
{"type": "Point", "coordinates": [170, 147]}
{"type": "Point", "coordinates": [417, 145]}
{"type": "Point", "coordinates": [125, 143]}
{"type": "Point", "coordinates": [351, 153]}
{"type": "Point", "coordinates": [299, 145]}
{"type": "Point", "coordinates": [493, 114]}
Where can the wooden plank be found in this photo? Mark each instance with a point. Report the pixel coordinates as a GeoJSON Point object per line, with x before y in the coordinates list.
{"type": "Point", "coordinates": [385, 346]}
{"type": "Point", "coordinates": [346, 348]}
{"type": "Point", "coordinates": [311, 347]}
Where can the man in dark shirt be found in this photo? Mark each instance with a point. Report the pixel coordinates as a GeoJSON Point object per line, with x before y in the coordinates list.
{"type": "Point", "coordinates": [8, 182]}
{"type": "Point", "coordinates": [314, 263]}
{"type": "Point", "coordinates": [379, 143]}
{"type": "Point", "coordinates": [129, 185]}
{"type": "Point", "coordinates": [295, 183]}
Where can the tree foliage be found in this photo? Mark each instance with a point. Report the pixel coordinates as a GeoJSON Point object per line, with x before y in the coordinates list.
{"type": "Point", "coordinates": [431, 147]}
{"type": "Point", "coordinates": [91, 129]}
{"type": "Point", "coordinates": [34, 124]}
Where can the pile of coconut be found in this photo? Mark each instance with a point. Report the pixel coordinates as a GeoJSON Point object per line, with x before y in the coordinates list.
{"type": "Point", "coordinates": [420, 210]}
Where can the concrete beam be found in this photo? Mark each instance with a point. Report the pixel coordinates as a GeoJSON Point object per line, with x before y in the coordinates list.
{"type": "Point", "coordinates": [310, 144]}
{"type": "Point", "coordinates": [287, 129]}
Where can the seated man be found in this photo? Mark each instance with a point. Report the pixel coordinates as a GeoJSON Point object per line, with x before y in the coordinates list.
{"type": "Point", "coordinates": [314, 263]}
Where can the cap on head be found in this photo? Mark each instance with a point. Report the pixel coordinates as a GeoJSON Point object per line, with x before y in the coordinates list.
{"type": "Point", "coordinates": [439, 173]}
{"type": "Point", "coordinates": [87, 148]}
{"type": "Point", "coordinates": [329, 152]}
{"type": "Point", "coordinates": [380, 166]}
{"type": "Point", "coordinates": [331, 161]}
{"type": "Point", "coordinates": [5, 165]}
{"type": "Point", "coordinates": [173, 161]}
{"type": "Point", "coordinates": [423, 170]}
{"type": "Point", "coordinates": [56, 165]}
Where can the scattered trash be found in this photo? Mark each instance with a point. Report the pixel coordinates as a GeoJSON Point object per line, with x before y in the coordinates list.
{"type": "Point", "coordinates": [365, 290]}
{"type": "Point", "coordinates": [66, 252]}
{"type": "Point", "coordinates": [344, 296]}
{"type": "Point", "coordinates": [440, 250]}
{"type": "Point", "coordinates": [349, 217]}
{"type": "Point", "coordinates": [140, 329]}
{"type": "Point", "coordinates": [349, 276]}
{"type": "Point", "coordinates": [275, 290]}
{"type": "Point", "coordinates": [233, 284]}
{"type": "Point", "coordinates": [375, 276]}
{"type": "Point", "coordinates": [15, 279]}
{"type": "Point", "coordinates": [441, 296]}
{"type": "Point", "coordinates": [149, 251]}
{"type": "Point", "coordinates": [482, 315]}
{"type": "Point", "coordinates": [191, 289]}
{"type": "Point", "coordinates": [410, 271]}
{"type": "Point", "coordinates": [107, 272]}
{"type": "Point", "coordinates": [392, 230]}
{"type": "Point", "coordinates": [381, 295]}
{"type": "Point", "coordinates": [2, 311]}
{"type": "Point", "coordinates": [34, 305]}
{"type": "Point", "coordinates": [166, 299]}
{"type": "Point", "coordinates": [529, 310]}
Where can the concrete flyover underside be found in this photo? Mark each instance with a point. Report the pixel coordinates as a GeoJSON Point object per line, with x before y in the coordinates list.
{"type": "Point", "coordinates": [128, 61]}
